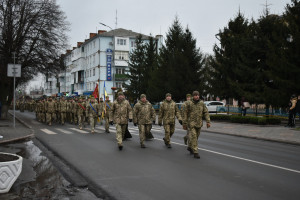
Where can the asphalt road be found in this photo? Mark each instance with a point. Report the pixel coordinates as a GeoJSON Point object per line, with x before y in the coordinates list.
{"type": "Point", "coordinates": [230, 167]}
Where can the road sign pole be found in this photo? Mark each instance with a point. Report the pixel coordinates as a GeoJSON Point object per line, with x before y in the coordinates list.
{"type": "Point", "coordinates": [14, 91]}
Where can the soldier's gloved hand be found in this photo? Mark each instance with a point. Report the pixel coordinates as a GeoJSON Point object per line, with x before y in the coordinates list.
{"type": "Point", "coordinates": [180, 122]}
{"type": "Point", "coordinates": [135, 124]}
{"type": "Point", "coordinates": [130, 120]}
{"type": "Point", "coordinates": [160, 124]}
{"type": "Point", "coordinates": [153, 122]}
{"type": "Point", "coordinates": [111, 123]}
{"type": "Point", "coordinates": [207, 125]}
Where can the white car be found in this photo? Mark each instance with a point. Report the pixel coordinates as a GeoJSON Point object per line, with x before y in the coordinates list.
{"type": "Point", "coordinates": [215, 106]}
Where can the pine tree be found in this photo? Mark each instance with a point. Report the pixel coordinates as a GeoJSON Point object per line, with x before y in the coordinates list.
{"type": "Point", "coordinates": [137, 70]}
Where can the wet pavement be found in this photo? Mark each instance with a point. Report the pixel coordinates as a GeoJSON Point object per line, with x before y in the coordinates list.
{"type": "Point", "coordinates": [39, 178]}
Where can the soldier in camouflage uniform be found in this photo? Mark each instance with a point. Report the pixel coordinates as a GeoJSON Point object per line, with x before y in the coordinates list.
{"type": "Point", "coordinates": [57, 110]}
{"type": "Point", "coordinates": [94, 111]}
{"type": "Point", "coordinates": [167, 112]}
{"type": "Point", "coordinates": [74, 111]}
{"type": "Point", "coordinates": [81, 110]}
{"type": "Point", "coordinates": [63, 106]}
{"type": "Point", "coordinates": [43, 111]}
{"type": "Point", "coordinates": [101, 103]}
{"type": "Point", "coordinates": [144, 116]}
{"type": "Point", "coordinates": [192, 120]}
{"type": "Point", "coordinates": [50, 111]}
{"type": "Point", "coordinates": [107, 108]}
{"type": "Point", "coordinates": [120, 113]}
{"type": "Point", "coordinates": [188, 98]}
{"type": "Point", "coordinates": [69, 111]}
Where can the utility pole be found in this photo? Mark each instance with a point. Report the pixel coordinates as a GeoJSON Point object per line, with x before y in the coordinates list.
{"type": "Point", "coordinates": [14, 53]}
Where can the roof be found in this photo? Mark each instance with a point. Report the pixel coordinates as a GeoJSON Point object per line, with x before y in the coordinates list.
{"type": "Point", "coordinates": [120, 32]}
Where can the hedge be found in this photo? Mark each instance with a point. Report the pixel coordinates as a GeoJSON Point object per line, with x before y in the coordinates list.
{"type": "Point", "coordinates": [246, 119]}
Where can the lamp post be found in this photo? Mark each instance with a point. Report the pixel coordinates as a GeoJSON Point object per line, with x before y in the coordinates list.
{"type": "Point", "coordinates": [113, 55]}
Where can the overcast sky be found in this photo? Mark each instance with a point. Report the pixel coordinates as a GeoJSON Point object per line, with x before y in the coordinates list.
{"type": "Point", "coordinates": [203, 17]}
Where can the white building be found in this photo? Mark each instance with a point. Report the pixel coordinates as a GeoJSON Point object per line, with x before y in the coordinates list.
{"type": "Point", "coordinates": [101, 59]}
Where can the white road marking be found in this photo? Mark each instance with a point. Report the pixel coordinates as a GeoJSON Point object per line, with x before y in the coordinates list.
{"type": "Point", "coordinates": [64, 131]}
{"type": "Point", "coordinates": [236, 157]}
{"type": "Point", "coordinates": [78, 130]}
{"type": "Point", "coordinates": [48, 131]}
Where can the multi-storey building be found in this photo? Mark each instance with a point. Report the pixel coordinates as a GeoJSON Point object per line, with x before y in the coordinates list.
{"type": "Point", "coordinates": [102, 59]}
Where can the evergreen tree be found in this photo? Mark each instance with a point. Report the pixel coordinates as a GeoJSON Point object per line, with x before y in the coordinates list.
{"type": "Point", "coordinates": [137, 68]}
{"type": "Point", "coordinates": [179, 67]}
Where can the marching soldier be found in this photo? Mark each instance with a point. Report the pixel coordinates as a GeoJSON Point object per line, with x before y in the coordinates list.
{"type": "Point", "coordinates": [69, 111]}
{"type": "Point", "coordinates": [188, 98]}
{"type": "Point", "coordinates": [74, 111]}
{"type": "Point", "coordinates": [43, 110]}
{"type": "Point", "coordinates": [101, 104]}
{"type": "Point", "coordinates": [107, 109]}
{"type": "Point", "coordinates": [192, 121]}
{"type": "Point", "coordinates": [94, 111]}
{"type": "Point", "coordinates": [167, 112]}
{"type": "Point", "coordinates": [143, 116]}
{"type": "Point", "coordinates": [81, 109]}
{"type": "Point", "coordinates": [50, 111]}
{"type": "Point", "coordinates": [120, 113]}
{"type": "Point", "coordinates": [63, 107]}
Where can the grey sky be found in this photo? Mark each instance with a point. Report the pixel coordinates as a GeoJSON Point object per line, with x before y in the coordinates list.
{"type": "Point", "coordinates": [204, 17]}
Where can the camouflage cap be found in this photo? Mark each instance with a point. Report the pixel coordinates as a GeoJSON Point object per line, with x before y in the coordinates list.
{"type": "Point", "coordinates": [142, 96]}
{"type": "Point", "coordinates": [107, 97]}
{"type": "Point", "coordinates": [168, 95]}
{"type": "Point", "coordinates": [120, 93]}
{"type": "Point", "coordinates": [196, 93]}
{"type": "Point", "coordinates": [188, 95]}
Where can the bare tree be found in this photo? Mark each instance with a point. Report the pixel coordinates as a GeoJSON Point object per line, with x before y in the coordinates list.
{"type": "Point", "coordinates": [36, 31]}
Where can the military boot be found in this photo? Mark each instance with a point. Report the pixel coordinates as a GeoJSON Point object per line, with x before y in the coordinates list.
{"type": "Point", "coordinates": [120, 147]}
{"type": "Point", "coordinates": [185, 140]}
{"type": "Point", "coordinates": [190, 150]}
{"type": "Point", "coordinates": [196, 155]}
{"type": "Point", "coordinates": [143, 146]}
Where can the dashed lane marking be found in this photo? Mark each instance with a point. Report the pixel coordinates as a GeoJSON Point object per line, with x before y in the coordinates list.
{"type": "Point", "coordinates": [48, 131]}
{"type": "Point", "coordinates": [64, 131]}
{"type": "Point", "coordinates": [78, 130]}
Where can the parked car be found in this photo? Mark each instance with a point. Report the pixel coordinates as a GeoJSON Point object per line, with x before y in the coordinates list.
{"type": "Point", "coordinates": [215, 106]}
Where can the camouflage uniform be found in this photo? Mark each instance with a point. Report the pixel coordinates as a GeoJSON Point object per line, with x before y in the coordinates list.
{"type": "Point", "coordinates": [192, 118]}
{"type": "Point", "coordinates": [74, 111]}
{"type": "Point", "coordinates": [69, 111]}
{"type": "Point", "coordinates": [81, 110]}
{"type": "Point", "coordinates": [50, 111]}
{"type": "Point", "coordinates": [186, 137]}
{"type": "Point", "coordinates": [101, 104]}
{"type": "Point", "coordinates": [43, 111]}
{"type": "Point", "coordinates": [143, 115]}
{"type": "Point", "coordinates": [167, 112]}
{"type": "Point", "coordinates": [107, 107]}
{"type": "Point", "coordinates": [93, 109]}
{"type": "Point", "coordinates": [120, 112]}
{"type": "Point", "coordinates": [63, 106]}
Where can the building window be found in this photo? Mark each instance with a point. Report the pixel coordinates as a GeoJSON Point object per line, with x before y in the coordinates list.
{"type": "Point", "coordinates": [121, 41]}
{"type": "Point", "coordinates": [121, 55]}
{"type": "Point", "coordinates": [119, 84]}
{"type": "Point", "coordinates": [120, 71]}
{"type": "Point", "coordinates": [94, 72]}
{"type": "Point", "coordinates": [133, 44]}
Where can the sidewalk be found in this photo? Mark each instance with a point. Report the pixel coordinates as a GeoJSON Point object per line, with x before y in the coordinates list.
{"type": "Point", "coordinates": [10, 134]}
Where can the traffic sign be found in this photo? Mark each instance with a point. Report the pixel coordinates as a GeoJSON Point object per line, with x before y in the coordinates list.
{"type": "Point", "coordinates": [14, 70]}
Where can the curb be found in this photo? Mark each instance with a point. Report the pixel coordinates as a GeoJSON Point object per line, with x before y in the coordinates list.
{"type": "Point", "coordinates": [255, 137]}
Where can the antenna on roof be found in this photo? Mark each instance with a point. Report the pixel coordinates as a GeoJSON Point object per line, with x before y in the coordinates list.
{"type": "Point", "coordinates": [116, 18]}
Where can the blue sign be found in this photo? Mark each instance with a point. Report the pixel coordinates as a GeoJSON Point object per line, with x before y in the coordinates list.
{"type": "Point", "coordinates": [108, 65]}
{"type": "Point", "coordinates": [109, 51]}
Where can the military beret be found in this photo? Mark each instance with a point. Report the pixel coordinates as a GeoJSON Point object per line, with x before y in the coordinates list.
{"type": "Point", "coordinates": [188, 95]}
{"type": "Point", "coordinates": [142, 96]}
{"type": "Point", "coordinates": [168, 95]}
{"type": "Point", "coordinates": [196, 93]}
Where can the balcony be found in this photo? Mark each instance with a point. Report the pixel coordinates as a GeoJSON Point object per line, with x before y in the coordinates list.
{"type": "Point", "coordinates": [121, 77]}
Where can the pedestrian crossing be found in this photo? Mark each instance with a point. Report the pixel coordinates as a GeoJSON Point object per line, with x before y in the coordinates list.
{"type": "Point", "coordinates": [99, 129]}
